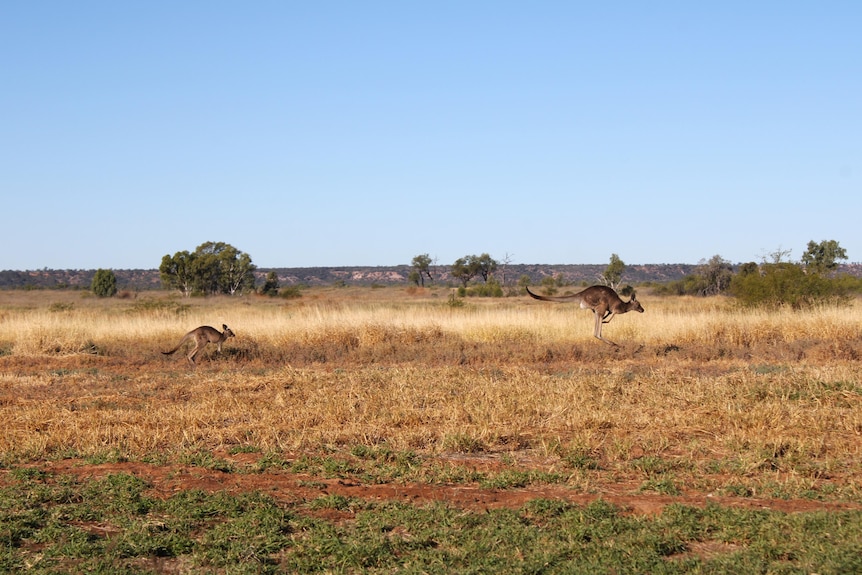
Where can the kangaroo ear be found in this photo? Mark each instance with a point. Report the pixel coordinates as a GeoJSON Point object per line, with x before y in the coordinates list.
{"type": "Point", "coordinates": [224, 326]}
{"type": "Point", "coordinates": [634, 297]}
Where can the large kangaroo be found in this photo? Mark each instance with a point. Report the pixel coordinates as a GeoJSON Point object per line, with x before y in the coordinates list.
{"type": "Point", "coordinates": [602, 300]}
{"type": "Point", "coordinates": [202, 336]}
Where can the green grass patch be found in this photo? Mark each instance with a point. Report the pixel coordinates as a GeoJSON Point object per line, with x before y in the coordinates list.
{"type": "Point", "coordinates": [57, 524]}
{"type": "Point", "coordinates": [207, 460]}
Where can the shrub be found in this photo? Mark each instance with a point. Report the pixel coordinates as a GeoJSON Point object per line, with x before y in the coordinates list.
{"type": "Point", "coordinates": [489, 289]}
{"type": "Point", "coordinates": [550, 285]}
{"type": "Point", "coordinates": [712, 277]}
{"type": "Point", "coordinates": [290, 292]}
{"type": "Point", "coordinates": [787, 284]}
{"type": "Point", "coordinates": [689, 285]}
{"type": "Point", "coordinates": [270, 285]}
{"type": "Point", "coordinates": [104, 283]}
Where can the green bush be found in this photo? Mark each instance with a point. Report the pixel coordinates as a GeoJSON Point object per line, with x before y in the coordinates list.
{"type": "Point", "coordinates": [290, 292]}
{"type": "Point", "coordinates": [270, 285]}
{"type": "Point", "coordinates": [104, 283]}
{"type": "Point", "coordinates": [788, 284]}
{"type": "Point", "coordinates": [491, 288]}
{"type": "Point", "coordinates": [550, 285]}
{"type": "Point", "coordinates": [689, 285]}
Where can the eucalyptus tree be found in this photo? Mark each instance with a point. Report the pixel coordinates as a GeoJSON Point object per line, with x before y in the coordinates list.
{"type": "Point", "coordinates": [421, 268]}
{"type": "Point", "coordinates": [213, 268]}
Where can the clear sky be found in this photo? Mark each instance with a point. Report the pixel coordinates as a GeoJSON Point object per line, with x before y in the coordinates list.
{"type": "Point", "coordinates": [340, 133]}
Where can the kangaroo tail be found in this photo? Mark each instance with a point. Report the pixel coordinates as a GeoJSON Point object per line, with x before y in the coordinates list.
{"type": "Point", "coordinates": [563, 299]}
{"type": "Point", "coordinates": [182, 341]}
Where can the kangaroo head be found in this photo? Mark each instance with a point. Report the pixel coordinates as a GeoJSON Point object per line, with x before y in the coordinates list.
{"type": "Point", "coordinates": [227, 331]}
{"type": "Point", "coordinates": [635, 305]}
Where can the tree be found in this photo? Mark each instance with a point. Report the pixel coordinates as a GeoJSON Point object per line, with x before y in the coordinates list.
{"type": "Point", "coordinates": [177, 272]}
{"type": "Point", "coordinates": [270, 286]}
{"type": "Point", "coordinates": [104, 283]}
{"type": "Point", "coordinates": [613, 274]}
{"type": "Point", "coordinates": [821, 258]}
{"type": "Point", "coordinates": [422, 267]}
{"type": "Point", "coordinates": [221, 268]}
{"type": "Point", "coordinates": [213, 268]}
{"type": "Point", "coordinates": [504, 263]}
{"type": "Point", "coordinates": [716, 274]}
{"type": "Point", "coordinates": [485, 266]}
{"type": "Point", "coordinates": [205, 270]}
{"type": "Point", "coordinates": [464, 270]}
{"type": "Point", "coordinates": [778, 256]}
{"type": "Point", "coordinates": [748, 269]}
{"type": "Point", "coordinates": [711, 277]}
{"type": "Point", "coordinates": [235, 271]}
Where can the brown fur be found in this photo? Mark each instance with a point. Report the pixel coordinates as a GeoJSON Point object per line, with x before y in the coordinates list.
{"type": "Point", "coordinates": [602, 300]}
{"type": "Point", "coordinates": [203, 335]}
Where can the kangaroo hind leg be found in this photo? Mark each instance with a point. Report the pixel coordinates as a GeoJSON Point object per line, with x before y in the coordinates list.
{"type": "Point", "coordinates": [598, 330]}
{"type": "Point", "coordinates": [198, 347]}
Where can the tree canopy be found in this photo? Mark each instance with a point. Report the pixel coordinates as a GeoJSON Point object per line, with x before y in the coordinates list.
{"type": "Point", "coordinates": [213, 268]}
{"type": "Point", "coordinates": [715, 276]}
{"type": "Point", "coordinates": [421, 269]}
{"type": "Point", "coordinates": [822, 258]}
{"type": "Point", "coordinates": [466, 268]}
{"type": "Point", "coordinates": [613, 274]}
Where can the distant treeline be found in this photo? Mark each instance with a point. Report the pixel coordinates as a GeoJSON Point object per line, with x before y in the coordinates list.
{"type": "Point", "coordinates": [575, 274]}
{"type": "Point", "coordinates": [138, 280]}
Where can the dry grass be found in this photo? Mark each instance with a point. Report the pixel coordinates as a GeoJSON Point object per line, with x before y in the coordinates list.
{"type": "Point", "coordinates": [56, 323]}
{"type": "Point", "coordinates": [697, 382]}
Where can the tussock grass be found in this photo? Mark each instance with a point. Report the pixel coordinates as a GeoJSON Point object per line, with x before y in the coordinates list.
{"type": "Point", "coordinates": [345, 327]}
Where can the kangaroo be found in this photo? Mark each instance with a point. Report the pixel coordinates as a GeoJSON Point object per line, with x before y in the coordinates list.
{"type": "Point", "coordinates": [602, 300]}
{"type": "Point", "coordinates": [202, 336]}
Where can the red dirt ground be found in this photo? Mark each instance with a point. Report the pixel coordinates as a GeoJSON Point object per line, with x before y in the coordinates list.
{"type": "Point", "coordinates": [166, 480]}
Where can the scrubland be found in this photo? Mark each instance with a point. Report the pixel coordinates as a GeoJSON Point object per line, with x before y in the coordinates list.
{"type": "Point", "coordinates": [701, 399]}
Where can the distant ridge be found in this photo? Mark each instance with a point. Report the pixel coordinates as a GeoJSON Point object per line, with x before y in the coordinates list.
{"type": "Point", "coordinates": [365, 275]}
{"type": "Point", "coordinates": [508, 274]}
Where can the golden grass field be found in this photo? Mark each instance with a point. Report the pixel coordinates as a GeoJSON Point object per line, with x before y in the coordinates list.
{"type": "Point", "coordinates": [713, 398]}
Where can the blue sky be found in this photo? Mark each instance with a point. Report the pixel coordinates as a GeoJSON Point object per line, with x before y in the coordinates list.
{"type": "Point", "coordinates": [364, 133]}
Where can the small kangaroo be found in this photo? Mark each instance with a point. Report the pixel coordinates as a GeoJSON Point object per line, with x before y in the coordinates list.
{"type": "Point", "coordinates": [602, 300]}
{"type": "Point", "coordinates": [202, 336]}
